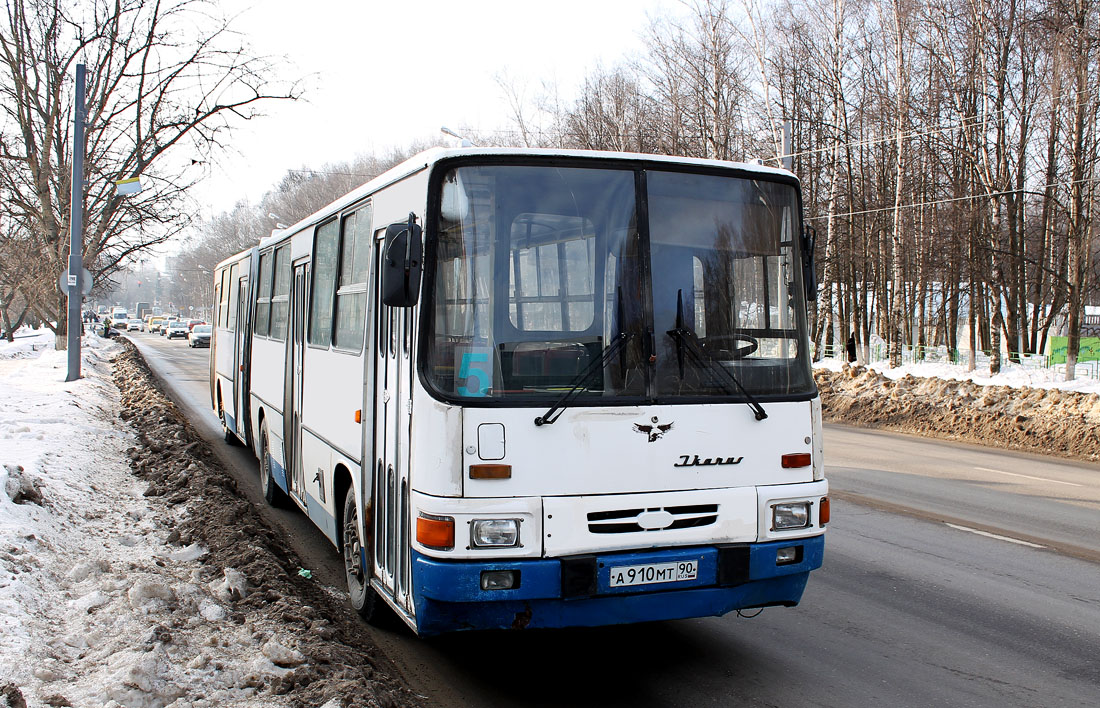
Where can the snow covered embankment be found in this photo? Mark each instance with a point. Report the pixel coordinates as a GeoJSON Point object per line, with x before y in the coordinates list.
{"type": "Point", "coordinates": [162, 591]}
{"type": "Point", "coordinates": [1040, 420]}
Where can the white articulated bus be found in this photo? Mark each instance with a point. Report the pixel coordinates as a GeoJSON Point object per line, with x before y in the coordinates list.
{"type": "Point", "coordinates": [530, 388]}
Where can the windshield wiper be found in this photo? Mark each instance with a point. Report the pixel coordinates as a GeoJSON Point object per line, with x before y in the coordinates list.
{"type": "Point", "coordinates": [563, 401]}
{"type": "Point", "coordinates": [687, 339]}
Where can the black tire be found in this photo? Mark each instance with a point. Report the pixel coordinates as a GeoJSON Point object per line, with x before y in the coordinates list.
{"type": "Point", "coordinates": [273, 495]}
{"type": "Point", "coordinates": [229, 436]}
{"type": "Point", "coordinates": [363, 598]}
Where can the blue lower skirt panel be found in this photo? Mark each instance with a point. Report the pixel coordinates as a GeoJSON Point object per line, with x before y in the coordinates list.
{"type": "Point", "coordinates": [278, 474]}
{"type": "Point", "coordinates": [449, 597]}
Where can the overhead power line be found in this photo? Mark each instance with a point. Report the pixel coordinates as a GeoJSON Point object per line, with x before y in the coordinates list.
{"type": "Point", "coordinates": [936, 202]}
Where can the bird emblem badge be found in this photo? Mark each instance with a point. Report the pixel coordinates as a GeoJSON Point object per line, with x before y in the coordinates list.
{"type": "Point", "coordinates": [654, 431]}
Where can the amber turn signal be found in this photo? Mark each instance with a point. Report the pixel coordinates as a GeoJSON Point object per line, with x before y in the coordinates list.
{"type": "Point", "coordinates": [435, 532]}
{"type": "Point", "coordinates": [823, 512]}
{"type": "Point", "coordinates": [359, 416]}
{"type": "Point", "coordinates": [490, 471]}
{"type": "Point", "coordinates": [796, 459]}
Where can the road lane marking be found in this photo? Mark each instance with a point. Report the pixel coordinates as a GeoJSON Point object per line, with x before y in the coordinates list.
{"type": "Point", "coordinates": [1027, 476]}
{"type": "Point", "coordinates": [993, 535]}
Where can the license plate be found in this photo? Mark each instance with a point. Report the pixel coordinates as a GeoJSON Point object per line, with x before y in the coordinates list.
{"type": "Point", "coordinates": [652, 573]}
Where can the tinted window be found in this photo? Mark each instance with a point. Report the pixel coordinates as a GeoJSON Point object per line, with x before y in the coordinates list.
{"type": "Point", "coordinates": [263, 296]}
{"type": "Point", "coordinates": [280, 297]}
{"type": "Point", "coordinates": [351, 298]}
{"type": "Point", "coordinates": [234, 291]}
{"type": "Point", "coordinates": [324, 284]}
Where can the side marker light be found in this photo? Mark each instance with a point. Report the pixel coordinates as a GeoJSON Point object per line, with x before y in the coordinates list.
{"type": "Point", "coordinates": [435, 532]}
{"type": "Point", "coordinates": [796, 459]}
{"type": "Point", "coordinates": [490, 471]}
{"type": "Point", "coordinates": [823, 512]}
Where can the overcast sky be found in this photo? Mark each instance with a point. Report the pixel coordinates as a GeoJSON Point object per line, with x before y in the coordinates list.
{"type": "Point", "coordinates": [385, 74]}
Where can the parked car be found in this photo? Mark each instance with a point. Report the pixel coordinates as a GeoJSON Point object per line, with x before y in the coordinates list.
{"type": "Point", "coordinates": [176, 329]}
{"type": "Point", "coordinates": [199, 336]}
{"type": "Point", "coordinates": [135, 325]}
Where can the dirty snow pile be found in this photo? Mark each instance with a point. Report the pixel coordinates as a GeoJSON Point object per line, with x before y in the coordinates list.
{"type": "Point", "coordinates": [1021, 409]}
{"type": "Point", "coordinates": [97, 608]}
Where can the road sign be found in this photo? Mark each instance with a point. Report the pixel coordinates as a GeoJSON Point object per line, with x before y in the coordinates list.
{"type": "Point", "coordinates": [128, 186]}
{"type": "Point", "coordinates": [68, 280]}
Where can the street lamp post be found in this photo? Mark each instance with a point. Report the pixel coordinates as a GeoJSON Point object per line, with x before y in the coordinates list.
{"type": "Point", "coordinates": [76, 235]}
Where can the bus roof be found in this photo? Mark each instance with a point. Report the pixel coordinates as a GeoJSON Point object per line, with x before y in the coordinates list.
{"type": "Point", "coordinates": [426, 159]}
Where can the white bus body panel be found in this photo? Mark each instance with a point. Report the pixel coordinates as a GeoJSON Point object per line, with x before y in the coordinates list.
{"type": "Point", "coordinates": [268, 369]}
{"type": "Point", "coordinates": [437, 454]}
{"type": "Point", "coordinates": [224, 369]}
{"type": "Point", "coordinates": [623, 450]}
{"type": "Point", "coordinates": [330, 398]}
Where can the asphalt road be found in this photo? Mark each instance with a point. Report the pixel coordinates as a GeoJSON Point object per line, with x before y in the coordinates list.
{"type": "Point", "coordinates": [954, 575]}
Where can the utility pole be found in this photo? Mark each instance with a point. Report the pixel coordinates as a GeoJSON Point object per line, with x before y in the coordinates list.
{"type": "Point", "coordinates": [76, 234]}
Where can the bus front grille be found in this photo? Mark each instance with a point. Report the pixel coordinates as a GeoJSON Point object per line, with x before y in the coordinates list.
{"type": "Point", "coordinates": [626, 520]}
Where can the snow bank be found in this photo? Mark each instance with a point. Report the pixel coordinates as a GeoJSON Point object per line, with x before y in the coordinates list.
{"type": "Point", "coordinates": [1050, 420]}
{"type": "Point", "coordinates": [28, 343]}
{"type": "Point", "coordinates": [96, 608]}
{"type": "Point", "coordinates": [1011, 375]}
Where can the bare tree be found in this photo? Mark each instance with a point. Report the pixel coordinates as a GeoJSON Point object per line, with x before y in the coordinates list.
{"type": "Point", "coordinates": [167, 81]}
{"type": "Point", "coordinates": [1081, 31]}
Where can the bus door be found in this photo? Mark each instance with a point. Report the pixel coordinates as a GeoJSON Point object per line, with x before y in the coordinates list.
{"type": "Point", "coordinates": [391, 419]}
{"type": "Point", "coordinates": [292, 419]}
{"type": "Point", "coordinates": [241, 373]}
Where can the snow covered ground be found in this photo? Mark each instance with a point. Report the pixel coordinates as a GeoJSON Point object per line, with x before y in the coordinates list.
{"type": "Point", "coordinates": [1014, 375]}
{"type": "Point", "coordinates": [133, 573]}
{"type": "Point", "coordinates": [96, 609]}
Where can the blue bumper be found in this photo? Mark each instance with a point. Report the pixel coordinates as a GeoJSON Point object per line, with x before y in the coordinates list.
{"type": "Point", "coordinates": [577, 591]}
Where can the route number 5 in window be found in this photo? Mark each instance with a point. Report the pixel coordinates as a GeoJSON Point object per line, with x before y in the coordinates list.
{"type": "Point", "coordinates": [476, 372]}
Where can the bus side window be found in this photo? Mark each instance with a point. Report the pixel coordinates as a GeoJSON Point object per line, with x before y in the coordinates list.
{"type": "Point", "coordinates": [263, 296]}
{"type": "Point", "coordinates": [231, 301]}
{"type": "Point", "coordinates": [325, 252]}
{"type": "Point", "coordinates": [223, 300]}
{"type": "Point", "coordinates": [351, 297]}
{"type": "Point", "coordinates": [217, 298]}
{"type": "Point", "coordinates": [280, 299]}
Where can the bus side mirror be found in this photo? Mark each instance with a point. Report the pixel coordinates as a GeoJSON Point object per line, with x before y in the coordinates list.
{"type": "Point", "coordinates": [402, 260]}
{"type": "Point", "coordinates": [809, 275]}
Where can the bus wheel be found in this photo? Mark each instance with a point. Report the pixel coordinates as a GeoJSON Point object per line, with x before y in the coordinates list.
{"type": "Point", "coordinates": [230, 437]}
{"type": "Point", "coordinates": [363, 597]}
{"type": "Point", "coordinates": [273, 495]}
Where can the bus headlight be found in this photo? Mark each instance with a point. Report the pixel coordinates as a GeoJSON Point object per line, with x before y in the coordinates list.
{"type": "Point", "coordinates": [791, 515]}
{"type": "Point", "coordinates": [494, 533]}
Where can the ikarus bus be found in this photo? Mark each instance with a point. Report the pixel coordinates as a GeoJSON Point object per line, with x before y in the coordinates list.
{"type": "Point", "coordinates": [529, 388]}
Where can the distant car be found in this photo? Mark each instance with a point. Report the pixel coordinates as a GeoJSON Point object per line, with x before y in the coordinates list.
{"type": "Point", "coordinates": [167, 321]}
{"type": "Point", "coordinates": [191, 324]}
{"type": "Point", "coordinates": [199, 336]}
{"type": "Point", "coordinates": [155, 324]}
{"type": "Point", "coordinates": [135, 325]}
{"type": "Point", "coordinates": [176, 329]}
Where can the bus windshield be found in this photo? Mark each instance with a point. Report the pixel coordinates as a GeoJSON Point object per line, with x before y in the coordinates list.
{"type": "Point", "coordinates": [536, 271]}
